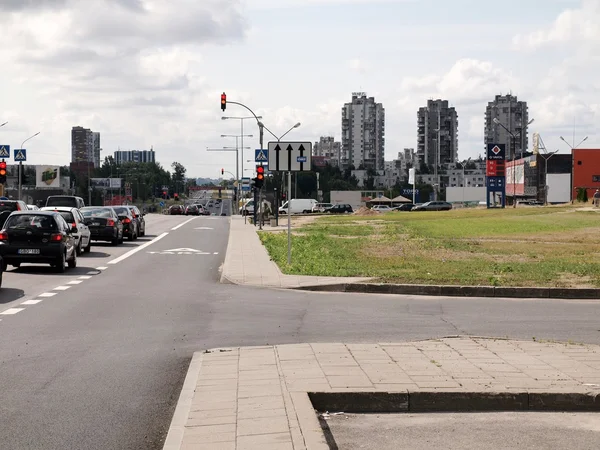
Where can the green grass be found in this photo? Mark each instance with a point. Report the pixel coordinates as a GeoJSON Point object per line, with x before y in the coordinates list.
{"type": "Point", "coordinates": [512, 247]}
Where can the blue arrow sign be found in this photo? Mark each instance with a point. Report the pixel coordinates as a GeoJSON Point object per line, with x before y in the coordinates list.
{"type": "Point", "coordinates": [301, 159]}
{"type": "Point", "coordinates": [4, 151]}
{"type": "Point", "coordinates": [20, 154]}
{"type": "Point", "coordinates": [261, 155]}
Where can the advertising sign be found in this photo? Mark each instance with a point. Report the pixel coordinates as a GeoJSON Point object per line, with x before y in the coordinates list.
{"type": "Point", "coordinates": [47, 176]}
{"type": "Point", "coordinates": [495, 175]}
{"type": "Point", "coordinates": [106, 183]}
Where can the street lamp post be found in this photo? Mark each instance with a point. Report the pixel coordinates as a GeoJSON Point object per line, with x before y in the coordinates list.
{"type": "Point", "coordinates": [230, 149]}
{"type": "Point", "coordinates": [546, 158]}
{"type": "Point", "coordinates": [237, 156]}
{"type": "Point", "coordinates": [2, 124]}
{"type": "Point", "coordinates": [463, 165]}
{"type": "Point", "coordinates": [513, 152]}
{"type": "Point", "coordinates": [21, 163]}
{"type": "Point", "coordinates": [241, 119]}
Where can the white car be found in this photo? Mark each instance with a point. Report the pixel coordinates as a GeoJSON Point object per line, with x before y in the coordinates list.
{"type": "Point", "coordinates": [83, 241]}
{"type": "Point", "coordinates": [381, 208]}
{"type": "Point", "coordinates": [33, 207]}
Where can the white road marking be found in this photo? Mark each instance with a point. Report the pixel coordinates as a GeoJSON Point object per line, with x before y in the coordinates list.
{"type": "Point", "coordinates": [84, 277]}
{"type": "Point", "coordinates": [102, 268]}
{"type": "Point", "coordinates": [93, 273]}
{"type": "Point", "coordinates": [75, 282]}
{"type": "Point", "coordinates": [11, 311]}
{"type": "Point", "coordinates": [137, 249]}
{"type": "Point", "coordinates": [182, 224]}
{"type": "Point", "coordinates": [47, 294]}
{"type": "Point", "coordinates": [31, 302]}
{"type": "Point", "coordinates": [215, 253]}
{"type": "Point", "coordinates": [203, 228]}
{"type": "Point", "coordinates": [62, 288]}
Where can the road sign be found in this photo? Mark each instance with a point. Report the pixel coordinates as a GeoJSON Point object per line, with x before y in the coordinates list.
{"type": "Point", "coordinates": [495, 182]}
{"type": "Point", "coordinates": [4, 151]}
{"type": "Point", "coordinates": [290, 156]}
{"type": "Point", "coordinates": [20, 154]}
{"type": "Point", "coordinates": [180, 251]}
{"type": "Point", "coordinates": [261, 155]}
{"type": "Point", "coordinates": [495, 171]}
{"type": "Point", "coordinates": [162, 204]}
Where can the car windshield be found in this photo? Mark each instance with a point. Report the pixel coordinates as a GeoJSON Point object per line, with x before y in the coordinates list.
{"type": "Point", "coordinates": [61, 201]}
{"type": "Point", "coordinates": [67, 216]}
{"type": "Point", "coordinates": [97, 212]}
{"type": "Point", "coordinates": [23, 221]}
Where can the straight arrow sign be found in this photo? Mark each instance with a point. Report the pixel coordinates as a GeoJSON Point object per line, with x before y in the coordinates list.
{"type": "Point", "coordinates": [301, 150]}
{"type": "Point", "coordinates": [290, 149]}
{"type": "Point", "coordinates": [277, 150]}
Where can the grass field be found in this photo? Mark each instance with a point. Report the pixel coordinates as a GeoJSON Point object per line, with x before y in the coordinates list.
{"type": "Point", "coordinates": [511, 247]}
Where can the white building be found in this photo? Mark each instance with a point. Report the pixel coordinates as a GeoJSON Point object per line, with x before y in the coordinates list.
{"type": "Point", "coordinates": [328, 148]}
{"type": "Point", "coordinates": [514, 115]}
{"type": "Point", "coordinates": [437, 133]}
{"type": "Point", "coordinates": [363, 133]}
{"type": "Point", "coordinates": [136, 156]}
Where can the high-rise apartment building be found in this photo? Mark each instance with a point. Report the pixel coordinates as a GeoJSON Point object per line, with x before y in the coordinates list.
{"type": "Point", "coordinates": [82, 145]}
{"type": "Point", "coordinates": [363, 133]}
{"type": "Point", "coordinates": [96, 145]}
{"type": "Point", "coordinates": [436, 121]}
{"type": "Point", "coordinates": [514, 115]}
{"type": "Point", "coordinates": [329, 149]}
{"type": "Point", "coordinates": [135, 156]}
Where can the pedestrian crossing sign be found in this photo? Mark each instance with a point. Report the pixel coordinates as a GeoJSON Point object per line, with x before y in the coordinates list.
{"type": "Point", "coordinates": [261, 155]}
{"type": "Point", "coordinates": [4, 151]}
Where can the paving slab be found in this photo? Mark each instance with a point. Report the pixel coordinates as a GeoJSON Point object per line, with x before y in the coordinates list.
{"type": "Point", "coordinates": [271, 397]}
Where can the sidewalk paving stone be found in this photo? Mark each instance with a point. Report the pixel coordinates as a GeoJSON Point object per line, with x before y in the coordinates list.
{"type": "Point", "coordinates": [265, 404]}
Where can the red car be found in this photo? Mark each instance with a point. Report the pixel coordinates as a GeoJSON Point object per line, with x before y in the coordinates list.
{"type": "Point", "coordinates": [176, 210]}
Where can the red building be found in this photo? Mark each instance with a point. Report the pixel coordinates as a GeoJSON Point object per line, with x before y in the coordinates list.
{"type": "Point", "coordinates": [586, 170]}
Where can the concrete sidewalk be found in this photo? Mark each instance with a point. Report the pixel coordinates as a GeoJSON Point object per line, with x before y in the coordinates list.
{"type": "Point", "coordinates": [247, 262]}
{"type": "Point", "coordinates": [258, 397]}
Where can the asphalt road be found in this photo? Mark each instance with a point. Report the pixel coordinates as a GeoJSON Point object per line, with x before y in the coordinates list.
{"type": "Point", "coordinates": [100, 364]}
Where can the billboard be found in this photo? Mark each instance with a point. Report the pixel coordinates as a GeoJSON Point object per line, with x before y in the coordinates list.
{"type": "Point", "coordinates": [496, 175]}
{"type": "Point", "coordinates": [106, 183]}
{"type": "Point", "coordinates": [47, 176]}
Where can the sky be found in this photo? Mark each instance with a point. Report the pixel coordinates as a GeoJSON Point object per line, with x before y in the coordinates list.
{"type": "Point", "coordinates": [149, 73]}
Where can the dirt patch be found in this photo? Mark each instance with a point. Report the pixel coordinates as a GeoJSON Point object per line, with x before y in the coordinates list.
{"type": "Point", "coordinates": [300, 221]}
{"type": "Point", "coordinates": [574, 281]}
{"type": "Point", "coordinates": [364, 211]}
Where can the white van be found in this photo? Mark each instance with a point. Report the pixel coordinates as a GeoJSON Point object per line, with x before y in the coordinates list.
{"type": "Point", "coordinates": [298, 206]}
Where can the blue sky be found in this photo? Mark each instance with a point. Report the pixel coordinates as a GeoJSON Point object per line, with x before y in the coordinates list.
{"type": "Point", "coordinates": [151, 73]}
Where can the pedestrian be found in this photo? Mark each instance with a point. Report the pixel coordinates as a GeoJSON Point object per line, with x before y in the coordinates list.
{"type": "Point", "coordinates": [597, 198]}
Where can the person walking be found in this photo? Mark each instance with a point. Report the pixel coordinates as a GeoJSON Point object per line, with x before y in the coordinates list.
{"type": "Point", "coordinates": [597, 198]}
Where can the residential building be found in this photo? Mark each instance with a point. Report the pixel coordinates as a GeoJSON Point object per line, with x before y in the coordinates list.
{"type": "Point", "coordinates": [135, 156]}
{"type": "Point", "coordinates": [82, 145]}
{"type": "Point", "coordinates": [514, 115]}
{"type": "Point", "coordinates": [97, 149]}
{"type": "Point", "coordinates": [363, 133]}
{"type": "Point", "coordinates": [328, 149]}
{"type": "Point", "coordinates": [436, 121]}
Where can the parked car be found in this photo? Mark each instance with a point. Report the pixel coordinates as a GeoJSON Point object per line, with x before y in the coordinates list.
{"type": "Point", "coordinates": [433, 206]}
{"type": "Point", "coordinates": [405, 207]}
{"type": "Point", "coordinates": [321, 207]}
{"type": "Point", "coordinates": [298, 206]}
{"type": "Point", "coordinates": [104, 224]}
{"type": "Point", "coordinates": [39, 237]}
{"type": "Point", "coordinates": [83, 240]}
{"type": "Point", "coordinates": [340, 208]}
{"type": "Point", "coordinates": [65, 200]}
{"type": "Point", "coordinates": [381, 208]}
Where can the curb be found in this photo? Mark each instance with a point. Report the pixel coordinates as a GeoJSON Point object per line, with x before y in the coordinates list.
{"type": "Point", "coordinates": [459, 291]}
{"type": "Point", "coordinates": [445, 401]}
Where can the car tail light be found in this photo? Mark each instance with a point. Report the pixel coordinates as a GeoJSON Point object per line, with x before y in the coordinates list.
{"type": "Point", "coordinates": [56, 237]}
{"type": "Point", "coordinates": [18, 207]}
{"type": "Point", "coordinates": [126, 220]}
{"type": "Point", "coordinates": [3, 236]}
{"type": "Point", "coordinates": [110, 223]}
{"type": "Point", "coordinates": [73, 225]}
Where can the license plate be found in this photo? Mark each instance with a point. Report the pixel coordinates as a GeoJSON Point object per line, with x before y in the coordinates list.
{"type": "Point", "coordinates": [95, 224]}
{"type": "Point", "coordinates": [28, 251]}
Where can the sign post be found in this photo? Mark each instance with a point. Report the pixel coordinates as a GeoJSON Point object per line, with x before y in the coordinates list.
{"type": "Point", "coordinates": [289, 157]}
{"type": "Point", "coordinates": [496, 175]}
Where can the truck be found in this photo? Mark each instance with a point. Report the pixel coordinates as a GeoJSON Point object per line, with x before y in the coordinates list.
{"type": "Point", "coordinates": [298, 206]}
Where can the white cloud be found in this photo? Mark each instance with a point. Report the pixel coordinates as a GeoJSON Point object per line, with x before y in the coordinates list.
{"type": "Point", "coordinates": [358, 65]}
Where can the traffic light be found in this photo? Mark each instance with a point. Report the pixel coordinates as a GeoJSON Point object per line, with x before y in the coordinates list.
{"type": "Point", "coordinates": [260, 176]}
{"type": "Point", "coordinates": [164, 195]}
{"type": "Point", "coordinates": [222, 172]}
{"type": "Point", "coordinates": [2, 172]}
{"type": "Point", "coordinates": [223, 101]}
{"type": "Point", "coordinates": [176, 197]}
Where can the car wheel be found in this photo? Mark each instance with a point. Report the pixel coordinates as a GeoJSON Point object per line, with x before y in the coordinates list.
{"type": "Point", "coordinates": [88, 248]}
{"type": "Point", "coordinates": [115, 241]}
{"type": "Point", "coordinates": [143, 231]}
{"type": "Point", "coordinates": [73, 261]}
{"type": "Point", "coordinates": [79, 250]}
{"type": "Point", "coordinates": [60, 263]}
{"type": "Point", "coordinates": [1, 272]}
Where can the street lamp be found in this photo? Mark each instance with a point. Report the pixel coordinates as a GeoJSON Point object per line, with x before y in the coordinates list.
{"type": "Point", "coordinates": [546, 157]}
{"type": "Point", "coordinates": [21, 162]}
{"type": "Point", "coordinates": [2, 124]}
{"type": "Point", "coordinates": [241, 119]}
{"type": "Point", "coordinates": [279, 139]}
{"type": "Point", "coordinates": [573, 147]}
{"type": "Point", "coordinates": [513, 151]}
{"type": "Point", "coordinates": [463, 165]}
{"type": "Point", "coordinates": [237, 156]}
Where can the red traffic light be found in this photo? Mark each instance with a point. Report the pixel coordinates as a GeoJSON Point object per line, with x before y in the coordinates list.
{"type": "Point", "coordinates": [222, 172]}
{"type": "Point", "coordinates": [260, 172]}
{"type": "Point", "coordinates": [223, 101]}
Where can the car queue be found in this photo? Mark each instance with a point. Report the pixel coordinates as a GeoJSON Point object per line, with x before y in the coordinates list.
{"type": "Point", "coordinates": [64, 229]}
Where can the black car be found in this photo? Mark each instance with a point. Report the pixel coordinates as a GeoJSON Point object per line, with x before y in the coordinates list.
{"type": "Point", "coordinates": [37, 237]}
{"type": "Point", "coordinates": [340, 209]}
{"type": "Point", "coordinates": [130, 225]}
{"type": "Point", "coordinates": [104, 224]}
{"type": "Point", "coordinates": [138, 216]}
